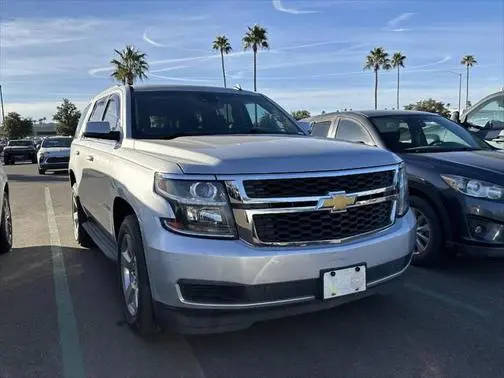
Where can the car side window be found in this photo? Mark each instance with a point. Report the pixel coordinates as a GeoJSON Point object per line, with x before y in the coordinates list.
{"type": "Point", "coordinates": [112, 113]}
{"type": "Point", "coordinates": [321, 129]}
{"type": "Point", "coordinates": [351, 131]}
{"type": "Point", "coordinates": [491, 112]}
{"type": "Point", "coordinates": [96, 115]}
{"type": "Point", "coordinates": [81, 121]}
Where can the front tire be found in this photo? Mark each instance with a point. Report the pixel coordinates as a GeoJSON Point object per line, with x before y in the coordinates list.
{"type": "Point", "coordinates": [429, 235]}
{"type": "Point", "coordinates": [41, 171]}
{"type": "Point", "coordinates": [6, 226]}
{"type": "Point", "coordinates": [78, 218]}
{"type": "Point", "coordinates": [134, 280]}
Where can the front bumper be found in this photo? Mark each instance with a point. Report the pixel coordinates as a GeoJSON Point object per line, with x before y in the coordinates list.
{"type": "Point", "coordinates": [48, 166]}
{"type": "Point", "coordinates": [174, 259]}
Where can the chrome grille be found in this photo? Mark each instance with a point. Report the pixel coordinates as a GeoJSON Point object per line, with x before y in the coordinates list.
{"type": "Point", "coordinates": [289, 209]}
{"type": "Point", "coordinates": [62, 159]}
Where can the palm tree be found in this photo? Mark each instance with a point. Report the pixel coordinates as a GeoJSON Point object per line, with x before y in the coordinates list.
{"type": "Point", "coordinates": [255, 38]}
{"type": "Point", "coordinates": [130, 66]}
{"type": "Point", "coordinates": [468, 61]}
{"type": "Point", "coordinates": [398, 61]}
{"type": "Point", "coordinates": [376, 60]}
{"type": "Point", "coordinates": [222, 44]}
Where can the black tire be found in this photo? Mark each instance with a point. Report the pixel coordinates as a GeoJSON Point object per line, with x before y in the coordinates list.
{"type": "Point", "coordinates": [78, 218]}
{"type": "Point", "coordinates": [6, 226]}
{"type": "Point", "coordinates": [7, 161]}
{"type": "Point", "coordinates": [427, 253]}
{"type": "Point", "coordinates": [34, 160]}
{"type": "Point", "coordinates": [41, 171]}
{"type": "Point", "coordinates": [130, 244]}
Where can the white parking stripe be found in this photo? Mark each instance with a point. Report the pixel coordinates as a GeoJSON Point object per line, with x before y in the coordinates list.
{"type": "Point", "coordinates": [73, 365]}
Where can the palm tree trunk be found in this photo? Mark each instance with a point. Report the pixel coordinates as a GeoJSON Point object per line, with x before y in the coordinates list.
{"type": "Point", "coordinates": [255, 63]}
{"type": "Point", "coordinates": [376, 90]}
{"type": "Point", "coordinates": [397, 88]}
{"type": "Point", "coordinates": [223, 71]}
{"type": "Point", "coordinates": [467, 87]}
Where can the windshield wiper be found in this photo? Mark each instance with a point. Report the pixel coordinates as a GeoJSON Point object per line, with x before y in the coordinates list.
{"type": "Point", "coordinates": [177, 135]}
{"type": "Point", "coordinates": [436, 149]}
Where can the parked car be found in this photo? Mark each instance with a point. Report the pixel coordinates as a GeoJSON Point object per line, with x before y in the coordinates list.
{"type": "Point", "coordinates": [220, 212]}
{"type": "Point", "coordinates": [19, 149]}
{"type": "Point", "coordinates": [6, 217]}
{"type": "Point", "coordinates": [54, 154]}
{"type": "Point", "coordinates": [455, 179]}
{"type": "Point", "coordinates": [486, 119]}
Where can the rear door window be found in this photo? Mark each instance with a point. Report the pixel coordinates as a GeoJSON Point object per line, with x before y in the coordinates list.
{"type": "Point", "coordinates": [321, 129]}
{"type": "Point", "coordinates": [112, 113]}
{"type": "Point", "coordinates": [351, 131]}
{"type": "Point", "coordinates": [96, 115]}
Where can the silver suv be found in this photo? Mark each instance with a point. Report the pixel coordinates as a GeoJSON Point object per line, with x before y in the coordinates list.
{"type": "Point", "coordinates": [220, 212]}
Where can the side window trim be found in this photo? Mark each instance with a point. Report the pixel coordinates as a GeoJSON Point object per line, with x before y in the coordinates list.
{"type": "Point", "coordinates": [363, 127]}
{"type": "Point", "coordinates": [117, 100]}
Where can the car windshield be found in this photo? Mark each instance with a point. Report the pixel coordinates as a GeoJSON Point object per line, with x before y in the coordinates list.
{"type": "Point", "coordinates": [56, 142]}
{"type": "Point", "coordinates": [17, 143]}
{"type": "Point", "coordinates": [425, 133]}
{"type": "Point", "coordinates": [169, 114]}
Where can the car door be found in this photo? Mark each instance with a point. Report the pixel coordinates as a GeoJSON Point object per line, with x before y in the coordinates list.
{"type": "Point", "coordinates": [101, 167]}
{"type": "Point", "coordinates": [83, 153]}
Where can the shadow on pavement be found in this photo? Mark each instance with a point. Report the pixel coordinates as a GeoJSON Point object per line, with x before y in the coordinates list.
{"type": "Point", "coordinates": [40, 178]}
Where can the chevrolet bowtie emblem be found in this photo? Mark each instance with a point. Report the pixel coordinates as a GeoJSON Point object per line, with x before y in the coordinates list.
{"type": "Point", "coordinates": [337, 202]}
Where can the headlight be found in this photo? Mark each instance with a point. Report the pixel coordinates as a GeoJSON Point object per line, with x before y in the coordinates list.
{"type": "Point", "coordinates": [402, 187]}
{"type": "Point", "coordinates": [201, 207]}
{"type": "Point", "coordinates": [474, 188]}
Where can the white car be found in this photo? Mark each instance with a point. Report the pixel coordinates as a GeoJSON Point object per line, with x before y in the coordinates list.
{"type": "Point", "coordinates": [6, 218]}
{"type": "Point", "coordinates": [54, 154]}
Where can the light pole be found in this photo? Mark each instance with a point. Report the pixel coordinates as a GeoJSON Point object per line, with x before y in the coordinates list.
{"type": "Point", "coordinates": [460, 87]}
{"type": "Point", "coordinates": [1, 102]}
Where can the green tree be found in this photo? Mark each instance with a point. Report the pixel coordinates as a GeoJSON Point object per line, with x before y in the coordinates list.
{"type": "Point", "coordinates": [254, 39]}
{"type": "Point", "coordinates": [468, 61]}
{"type": "Point", "coordinates": [130, 65]}
{"type": "Point", "coordinates": [222, 44]}
{"type": "Point", "coordinates": [376, 60]}
{"type": "Point", "coordinates": [67, 117]}
{"type": "Point", "coordinates": [397, 61]}
{"type": "Point", "coordinates": [17, 127]}
{"type": "Point", "coordinates": [300, 114]}
{"type": "Point", "coordinates": [431, 106]}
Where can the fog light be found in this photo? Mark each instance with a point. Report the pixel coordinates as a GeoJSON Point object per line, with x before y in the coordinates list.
{"type": "Point", "coordinates": [486, 230]}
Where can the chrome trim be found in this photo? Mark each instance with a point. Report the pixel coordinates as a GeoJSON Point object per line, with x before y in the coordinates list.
{"type": "Point", "coordinates": [385, 279]}
{"type": "Point", "coordinates": [242, 305]}
{"type": "Point", "coordinates": [181, 176]}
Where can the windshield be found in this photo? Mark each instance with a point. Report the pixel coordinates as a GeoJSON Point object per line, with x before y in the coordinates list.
{"type": "Point", "coordinates": [425, 133]}
{"type": "Point", "coordinates": [164, 115]}
{"type": "Point", "coordinates": [56, 142]}
{"type": "Point", "coordinates": [17, 143]}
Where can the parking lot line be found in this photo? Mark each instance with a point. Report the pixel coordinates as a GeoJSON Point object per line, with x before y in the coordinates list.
{"type": "Point", "coordinates": [73, 365]}
{"type": "Point", "coordinates": [447, 299]}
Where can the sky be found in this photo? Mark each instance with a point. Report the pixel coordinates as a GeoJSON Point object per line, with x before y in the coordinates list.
{"type": "Point", "coordinates": [51, 50]}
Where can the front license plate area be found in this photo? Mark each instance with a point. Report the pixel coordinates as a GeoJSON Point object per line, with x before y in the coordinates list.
{"type": "Point", "coordinates": [339, 282]}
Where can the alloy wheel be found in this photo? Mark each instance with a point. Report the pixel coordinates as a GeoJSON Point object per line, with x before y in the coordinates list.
{"type": "Point", "coordinates": [75, 217]}
{"type": "Point", "coordinates": [129, 275]}
{"type": "Point", "coordinates": [423, 232]}
{"type": "Point", "coordinates": [7, 220]}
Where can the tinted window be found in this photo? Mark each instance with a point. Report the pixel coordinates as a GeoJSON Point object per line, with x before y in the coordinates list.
{"type": "Point", "coordinates": [112, 112]}
{"type": "Point", "coordinates": [424, 133]}
{"type": "Point", "coordinates": [97, 113]}
{"type": "Point", "coordinates": [351, 131]}
{"type": "Point", "coordinates": [81, 120]}
{"type": "Point", "coordinates": [19, 143]}
{"type": "Point", "coordinates": [321, 129]}
{"type": "Point", "coordinates": [56, 142]}
{"type": "Point", "coordinates": [491, 112]}
{"type": "Point", "coordinates": [170, 114]}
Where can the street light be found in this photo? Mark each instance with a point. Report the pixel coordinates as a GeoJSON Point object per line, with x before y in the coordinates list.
{"type": "Point", "coordinates": [460, 87]}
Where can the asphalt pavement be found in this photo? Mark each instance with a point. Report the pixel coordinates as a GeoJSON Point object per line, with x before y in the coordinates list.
{"type": "Point", "coordinates": [445, 322]}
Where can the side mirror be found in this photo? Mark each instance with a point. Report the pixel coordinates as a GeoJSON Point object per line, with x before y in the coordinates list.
{"type": "Point", "coordinates": [101, 130]}
{"type": "Point", "coordinates": [455, 116]}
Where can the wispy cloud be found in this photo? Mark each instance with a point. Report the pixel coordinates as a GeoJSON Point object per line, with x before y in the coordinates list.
{"type": "Point", "coordinates": [182, 79]}
{"type": "Point", "coordinates": [150, 41]}
{"type": "Point", "coordinates": [277, 4]}
{"type": "Point", "coordinates": [437, 62]}
{"type": "Point", "coordinates": [395, 23]}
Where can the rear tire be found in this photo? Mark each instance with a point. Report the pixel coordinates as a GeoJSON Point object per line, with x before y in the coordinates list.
{"type": "Point", "coordinates": [41, 171]}
{"type": "Point", "coordinates": [429, 237]}
{"type": "Point", "coordinates": [34, 160]}
{"type": "Point", "coordinates": [134, 280]}
{"type": "Point", "coordinates": [78, 218]}
{"type": "Point", "coordinates": [6, 226]}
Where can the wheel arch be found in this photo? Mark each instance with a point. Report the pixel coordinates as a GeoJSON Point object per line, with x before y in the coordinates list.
{"type": "Point", "coordinates": [120, 209]}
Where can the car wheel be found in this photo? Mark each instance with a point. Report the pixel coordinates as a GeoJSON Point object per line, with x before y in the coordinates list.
{"type": "Point", "coordinates": [41, 171]}
{"type": "Point", "coordinates": [78, 218]}
{"type": "Point", "coordinates": [429, 236]}
{"type": "Point", "coordinates": [6, 226]}
{"type": "Point", "coordinates": [34, 161]}
{"type": "Point", "coordinates": [134, 280]}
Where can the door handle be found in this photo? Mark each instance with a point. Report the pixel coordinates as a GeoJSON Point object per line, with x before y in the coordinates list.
{"type": "Point", "coordinates": [77, 152]}
{"type": "Point", "coordinates": [90, 158]}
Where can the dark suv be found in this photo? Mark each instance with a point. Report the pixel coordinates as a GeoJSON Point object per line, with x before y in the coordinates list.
{"type": "Point", "coordinates": [19, 150]}
{"type": "Point", "coordinates": [456, 180]}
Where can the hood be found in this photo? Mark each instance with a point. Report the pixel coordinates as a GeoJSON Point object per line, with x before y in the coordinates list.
{"type": "Point", "coordinates": [20, 147]}
{"type": "Point", "coordinates": [256, 154]}
{"type": "Point", "coordinates": [55, 150]}
{"type": "Point", "coordinates": [466, 163]}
